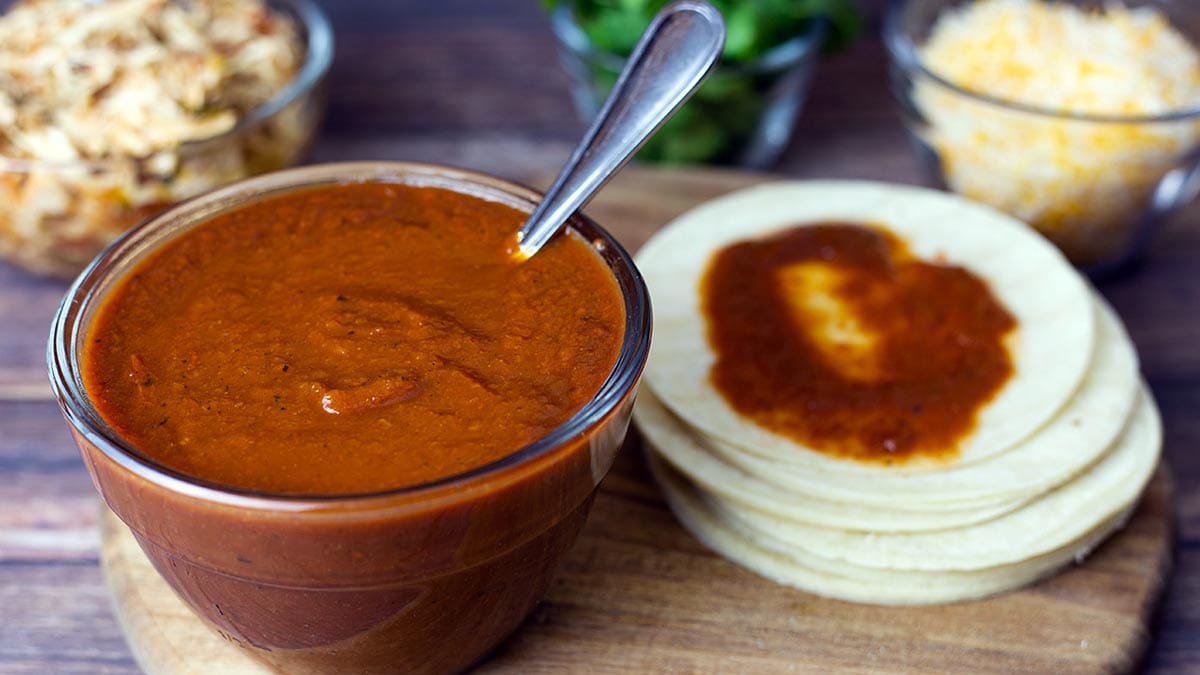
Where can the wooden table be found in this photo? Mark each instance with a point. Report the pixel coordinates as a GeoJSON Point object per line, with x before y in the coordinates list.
{"type": "Point", "coordinates": [476, 83]}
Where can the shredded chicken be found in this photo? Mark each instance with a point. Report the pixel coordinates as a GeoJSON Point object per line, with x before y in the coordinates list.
{"type": "Point", "coordinates": [112, 109]}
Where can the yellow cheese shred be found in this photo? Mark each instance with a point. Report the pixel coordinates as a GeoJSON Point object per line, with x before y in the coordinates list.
{"type": "Point", "coordinates": [1085, 184]}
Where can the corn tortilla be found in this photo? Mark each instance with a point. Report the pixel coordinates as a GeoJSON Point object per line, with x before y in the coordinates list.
{"type": "Point", "coordinates": [846, 582]}
{"type": "Point", "coordinates": [1050, 349]}
{"type": "Point", "coordinates": [1051, 522]}
{"type": "Point", "coordinates": [1092, 419]}
{"type": "Point", "coordinates": [680, 446]}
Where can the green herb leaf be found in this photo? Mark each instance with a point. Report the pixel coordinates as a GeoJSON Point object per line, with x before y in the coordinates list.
{"type": "Point", "coordinates": [723, 115]}
{"type": "Point", "coordinates": [753, 27]}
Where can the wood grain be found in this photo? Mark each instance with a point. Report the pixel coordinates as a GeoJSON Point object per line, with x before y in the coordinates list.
{"type": "Point", "coordinates": [640, 594]}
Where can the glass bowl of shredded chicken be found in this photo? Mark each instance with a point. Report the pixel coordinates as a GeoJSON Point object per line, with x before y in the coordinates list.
{"type": "Point", "coordinates": [1080, 117]}
{"type": "Point", "coordinates": [111, 110]}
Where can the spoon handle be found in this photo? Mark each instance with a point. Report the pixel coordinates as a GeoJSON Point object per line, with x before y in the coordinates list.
{"type": "Point", "coordinates": [671, 59]}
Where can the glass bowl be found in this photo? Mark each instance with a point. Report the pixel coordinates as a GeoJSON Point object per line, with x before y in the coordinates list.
{"type": "Point", "coordinates": [742, 115]}
{"type": "Point", "coordinates": [56, 216]}
{"type": "Point", "coordinates": [1095, 185]}
{"type": "Point", "coordinates": [427, 578]}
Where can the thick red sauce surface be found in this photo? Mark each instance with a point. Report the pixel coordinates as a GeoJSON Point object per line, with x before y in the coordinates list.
{"type": "Point", "coordinates": [836, 336]}
{"type": "Point", "coordinates": [351, 338]}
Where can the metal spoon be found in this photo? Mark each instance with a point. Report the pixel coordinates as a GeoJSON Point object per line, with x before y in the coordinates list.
{"type": "Point", "coordinates": [671, 59]}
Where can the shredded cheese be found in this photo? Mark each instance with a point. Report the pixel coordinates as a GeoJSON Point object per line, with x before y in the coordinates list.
{"type": "Point", "coordinates": [1085, 184]}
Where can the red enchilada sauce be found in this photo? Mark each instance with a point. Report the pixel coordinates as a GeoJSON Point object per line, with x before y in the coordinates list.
{"type": "Point", "coordinates": [349, 339]}
{"type": "Point", "coordinates": [835, 336]}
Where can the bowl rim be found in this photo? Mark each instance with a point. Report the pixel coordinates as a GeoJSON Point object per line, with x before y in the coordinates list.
{"type": "Point", "coordinates": [903, 52]}
{"type": "Point", "coordinates": [68, 329]}
{"type": "Point", "coordinates": [318, 57]}
{"type": "Point", "coordinates": [804, 46]}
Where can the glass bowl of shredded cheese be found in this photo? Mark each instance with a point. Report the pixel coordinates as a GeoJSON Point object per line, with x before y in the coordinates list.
{"type": "Point", "coordinates": [1080, 117]}
{"type": "Point", "coordinates": [111, 110]}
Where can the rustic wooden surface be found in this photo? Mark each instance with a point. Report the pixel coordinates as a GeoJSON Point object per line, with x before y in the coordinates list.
{"type": "Point", "coordinates": [475, 83]}
{"type": "Point", "coordinates": [639, 594]}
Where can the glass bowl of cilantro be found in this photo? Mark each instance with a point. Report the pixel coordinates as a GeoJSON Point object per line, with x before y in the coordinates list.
{"type": "Point", "coordinates": [743, 115]}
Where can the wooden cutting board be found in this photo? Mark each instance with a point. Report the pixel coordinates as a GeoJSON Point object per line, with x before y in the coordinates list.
{"type": "Point", "coordinates": [640, 594]}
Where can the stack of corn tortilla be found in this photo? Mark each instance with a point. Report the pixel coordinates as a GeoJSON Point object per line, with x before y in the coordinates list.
{"type": "Point", "coordinates": [1053, 464]}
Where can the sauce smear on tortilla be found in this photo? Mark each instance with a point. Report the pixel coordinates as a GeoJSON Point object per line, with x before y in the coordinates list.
{"type": "Point", "coordinates": [834, 335]}
{"type": "Point", "coordinates": [351, 338]}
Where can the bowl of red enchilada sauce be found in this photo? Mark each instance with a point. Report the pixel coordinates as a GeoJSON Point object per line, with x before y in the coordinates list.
{"type": "Point", "coordinates": [347, 427]}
